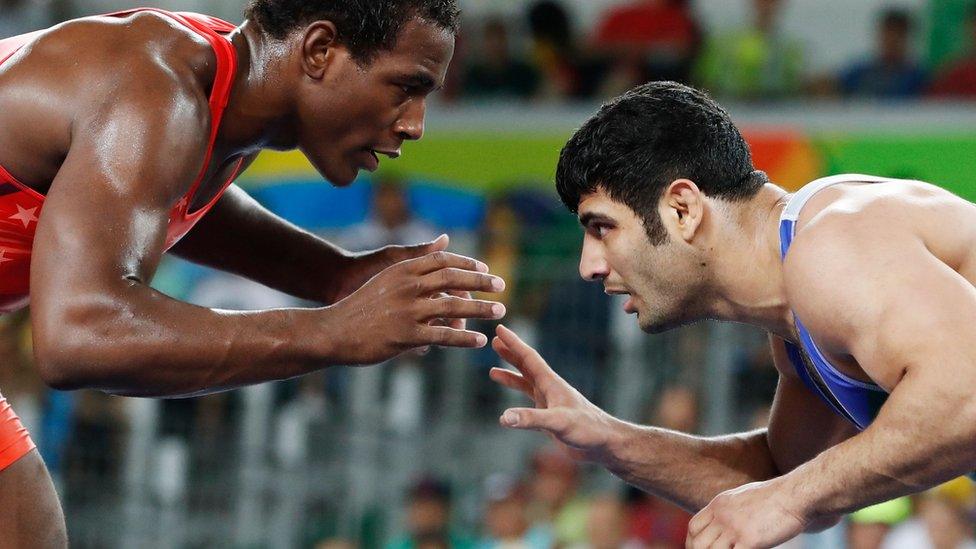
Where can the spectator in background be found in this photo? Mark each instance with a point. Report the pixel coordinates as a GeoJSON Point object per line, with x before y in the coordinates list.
{"type": "Point", "coordinates": [892, 73]}
{"type": "Point", "coordinates": [606, 526]}
{"type": "Point", "coordinates": [506, 519]}
{"type": "Point", "coordinates": [654, 521]}
{"type": "Point", "coordinates": [943, 520]}
{"type": "Point", "coordinates": [428, 518]}
{"type": "Point", "coordinates": [758, 62]}
{"type": "Point", "coordinates": [555, 54]}
{"type": "Point", "coordinates": [555, 499]}
{"type": "Point", "coordinates": [496, 73]}
{"type": "Point", "coordinates": [867, 528]}
{"type": "Point", "coordinates": [390, 222]}
{"type": "Point", "coordinates": [647, 40]}
{"type": "Point", "coordinates": [958, 79]}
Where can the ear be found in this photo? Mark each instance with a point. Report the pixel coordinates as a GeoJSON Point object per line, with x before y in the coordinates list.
{"type": "Point", "coordinates": [320, 42]}
{"type": "Point", "coordinates": [683, 206]}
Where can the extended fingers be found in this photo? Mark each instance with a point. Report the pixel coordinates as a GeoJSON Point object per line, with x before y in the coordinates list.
{"type": "Point", "coordinates": [453, 278]}
{"type": "Point", "coordinates": [450, 337]}
{"type": "Point", "coordinates": [444, 260]}
{"type": "Point", "coordinates": [519, 354]}
{"type": "Point", "coordinates": [512, 380]}
{"type": "Point", "coordinates": [457, 307]}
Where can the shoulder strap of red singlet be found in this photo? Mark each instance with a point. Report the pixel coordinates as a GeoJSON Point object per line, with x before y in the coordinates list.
{"type": "Point", "coordinates": [10, 46]}
{"type": "Point", "coordinates": [209, 28]}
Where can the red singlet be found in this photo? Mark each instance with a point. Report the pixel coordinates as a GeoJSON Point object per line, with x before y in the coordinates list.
{"type": "Point", "coordinates": [20, 206]}
{"type": "Point", "coordinates": [15, 443]}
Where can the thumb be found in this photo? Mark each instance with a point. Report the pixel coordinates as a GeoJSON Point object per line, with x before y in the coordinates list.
{"type": "Point", "coordinates": [529, 418]}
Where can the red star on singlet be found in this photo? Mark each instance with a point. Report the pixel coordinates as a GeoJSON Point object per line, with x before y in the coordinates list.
{"type": "Point", "coordinates": [24, 215]}
{"type": "Point", "coordinates": [4, 258]}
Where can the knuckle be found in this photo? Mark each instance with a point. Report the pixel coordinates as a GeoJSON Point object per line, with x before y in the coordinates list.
{"type": "Point", "coordinates": [442, 336]}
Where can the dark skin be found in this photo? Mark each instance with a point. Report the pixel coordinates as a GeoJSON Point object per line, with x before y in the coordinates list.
{"type": "Point", "coordinates": [116, 141]}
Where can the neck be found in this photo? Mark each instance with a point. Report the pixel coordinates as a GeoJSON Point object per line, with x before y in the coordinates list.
{"type": "Point", "coordinates": [260, 112]}
{"type": "Point", "coordinates": [747, 276]}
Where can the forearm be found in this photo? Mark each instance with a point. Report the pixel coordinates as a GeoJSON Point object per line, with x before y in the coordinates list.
{"type": "Point", "coordinates": [242, 237]}
{"type": "Point", "coordinates": [143, 343]}
{"type": "Point", "coordinates": [685, 469]}
{"type": "Point", "coordinates": [914, 443]}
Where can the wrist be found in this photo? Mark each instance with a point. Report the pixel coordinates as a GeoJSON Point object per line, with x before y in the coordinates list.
{"type": "Point", "coordinates": [339, 268]}
{"type": "Point", "coordinates": [798, 493]}
{"type": "Point", "coordinates": [330, 344]}
{"type": "Point", "coordinates": [619, 438]}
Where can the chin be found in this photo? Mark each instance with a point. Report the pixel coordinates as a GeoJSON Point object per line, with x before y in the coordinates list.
{"type": "Point", "coordinates": [657, 325]}
{"type": "Point", "coordinates": [342, 178]}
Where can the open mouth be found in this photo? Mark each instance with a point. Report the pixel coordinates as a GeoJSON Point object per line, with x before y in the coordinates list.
{"type": "Point", "coordinates": [373, 157]}
{"type": "Point", "coordinates": [630, 305]}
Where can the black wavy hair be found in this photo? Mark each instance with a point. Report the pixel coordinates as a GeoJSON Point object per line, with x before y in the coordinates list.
{"type": "Point", "coordinates": [364, 26]}
{"type": "Point", "coordinates": [640, 142]}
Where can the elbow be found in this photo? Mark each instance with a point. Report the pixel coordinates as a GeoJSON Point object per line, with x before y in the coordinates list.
{"type": "Point", "coordinates": [72, 354]}
{"type": "Point", "coordinates": [59, 366]}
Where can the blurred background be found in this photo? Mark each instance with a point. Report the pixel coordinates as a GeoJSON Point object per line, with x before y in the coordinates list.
{"type": "Point", "coordinates": [409, 454]}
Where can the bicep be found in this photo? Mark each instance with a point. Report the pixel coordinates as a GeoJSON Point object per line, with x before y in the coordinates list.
{"type": "Point", "coordinates": [801, 425]}
{"type": "Point", "coordinates": [884, 299]}
{"type": "Point", "coordinates": [105, 216]}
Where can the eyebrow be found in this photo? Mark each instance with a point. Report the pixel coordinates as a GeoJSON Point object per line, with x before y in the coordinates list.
{"type": "Point", "coordinates": [590, 217]}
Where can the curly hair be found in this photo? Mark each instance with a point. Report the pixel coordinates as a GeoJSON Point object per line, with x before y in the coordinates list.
{"type": "Point", "coordinates": [364, 26]}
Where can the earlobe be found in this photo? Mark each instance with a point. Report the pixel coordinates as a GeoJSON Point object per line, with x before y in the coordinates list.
{"type": "Point", "coordinates": [319, 43]}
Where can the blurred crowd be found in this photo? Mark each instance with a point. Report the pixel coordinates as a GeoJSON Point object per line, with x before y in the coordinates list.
{"type": "Point", "coordinates": [547, 55]}
{"type": "Point", "coordinates": [664, 40]}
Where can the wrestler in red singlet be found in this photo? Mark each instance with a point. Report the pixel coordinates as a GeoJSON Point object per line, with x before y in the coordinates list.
{"type": "Point", "coordinates": [20, 206]}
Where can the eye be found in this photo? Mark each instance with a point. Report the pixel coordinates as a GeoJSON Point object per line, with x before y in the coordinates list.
{"type": "Point", "coordinates": [598, 230]}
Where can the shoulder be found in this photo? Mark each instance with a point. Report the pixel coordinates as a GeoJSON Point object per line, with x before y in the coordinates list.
{"type": "Point", "coordinates": [146, 54]}
{"type": "Point", "coordinates": [840, 254]}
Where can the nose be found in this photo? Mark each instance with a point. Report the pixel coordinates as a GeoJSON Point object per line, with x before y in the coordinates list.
{"type": "Point", "coordinates": [593, 266]}
{"type": "Point", "coordinates": [410, 125]}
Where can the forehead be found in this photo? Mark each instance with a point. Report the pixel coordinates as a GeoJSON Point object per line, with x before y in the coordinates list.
{"type": "Point", "coordinates": [420, 47]}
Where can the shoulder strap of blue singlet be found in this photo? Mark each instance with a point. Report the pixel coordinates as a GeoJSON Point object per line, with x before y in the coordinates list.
{"type": "Point", "coordinates": [820, 382]}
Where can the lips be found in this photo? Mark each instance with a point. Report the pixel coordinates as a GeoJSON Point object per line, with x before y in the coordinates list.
{"type": "Point", "coordinates": [372, 161]}
{"type": "Point", "coordinates": [372, 157]}
{"type": "Point", "coordinates": [630, 306]}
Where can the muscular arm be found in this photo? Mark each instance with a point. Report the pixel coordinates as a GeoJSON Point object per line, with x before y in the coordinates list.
{"type": "Point", "coordinates": [242, 237]}
{"type": "Point", "coordinates": [98, 324]}
{"type": "Point", "coordinates": [688, 470]}
{"type": "Point", "coordinates": [907, 319]}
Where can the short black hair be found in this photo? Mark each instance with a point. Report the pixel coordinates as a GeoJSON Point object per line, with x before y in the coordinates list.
{"type": "Point", "coordinates": [640, 142]}
{"type": "Point", "coordinates": [365, 26]}
{"type": "Point", "coordinates": [897, 18]}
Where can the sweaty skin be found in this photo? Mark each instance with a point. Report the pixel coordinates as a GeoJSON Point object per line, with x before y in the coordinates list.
{"type": "Point", "coordinates": [114, 150]}
{"type": "Point", "coordinates": [883, 276]}
{"type": "Point", "coordinates": [116, 136]}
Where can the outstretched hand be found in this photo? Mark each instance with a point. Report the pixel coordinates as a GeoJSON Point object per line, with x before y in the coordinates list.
{"type": "Point", "coordinates": [362, 266]}
{"type": "Point", "coordinates": [560, 410]}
